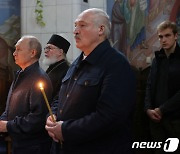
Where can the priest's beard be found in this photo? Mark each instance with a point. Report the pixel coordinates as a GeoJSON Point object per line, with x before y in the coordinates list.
{"type": "Point", "coordinates": [50, 60]}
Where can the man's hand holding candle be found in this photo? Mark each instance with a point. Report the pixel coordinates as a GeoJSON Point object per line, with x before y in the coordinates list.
{"type": "Point", "coordinates": [54, 129]}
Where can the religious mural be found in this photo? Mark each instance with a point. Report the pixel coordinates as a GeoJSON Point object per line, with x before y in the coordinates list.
{"type": "Point", "coordinates": [134, 25]}
{"type": "Point", "coordinates": [9, 34]}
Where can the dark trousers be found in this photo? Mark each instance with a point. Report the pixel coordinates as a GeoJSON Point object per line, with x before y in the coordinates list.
{"type": "Point", "coordinates": [160, 132]}
{"type": "Point", "coordinates": [122, 149]}
{"type": "Point", "coordinates": [43, 148]}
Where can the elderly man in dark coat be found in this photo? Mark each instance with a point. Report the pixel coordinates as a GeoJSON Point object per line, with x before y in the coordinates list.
{"type": "Point", "coordinates": [97, 95]}
{"type": "Point", "coordinates": [55, 57]}
{"type": "Point", "coordinates": [25, 114]}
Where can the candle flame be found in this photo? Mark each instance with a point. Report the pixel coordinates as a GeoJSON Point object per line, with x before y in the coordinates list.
{"type": "Point", "coordinates": [41, 85]}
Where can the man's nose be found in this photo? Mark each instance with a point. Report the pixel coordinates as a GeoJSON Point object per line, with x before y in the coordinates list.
{"type": "Point", "coordinates": [14, 53]}
{"type": "Point", "coordinates": [76, 30]}
{"type": "Point", "coordinates": [164, 39]}
{"type": "Point", "coordinates": [45, 51]}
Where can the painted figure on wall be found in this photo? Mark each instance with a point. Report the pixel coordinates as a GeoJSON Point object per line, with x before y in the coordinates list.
{"type": "Point", "coordinates": [9, 34]}
{"type": "Point", "coordinates": [120, 19]}
{"type": "Point", "coordinates": [175, 15]}
{"type": "Point", "coordinates": [136, 28]}
{"type": "Point", "coordinates": [5, 73]}
{"type": "Point", "coordinates": [128, 20]}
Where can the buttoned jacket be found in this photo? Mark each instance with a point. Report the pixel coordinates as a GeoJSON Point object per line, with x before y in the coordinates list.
{"type": "Point", "coordinates": [96, 101]}
{"type": "Point", "coordinates": [26, 109]}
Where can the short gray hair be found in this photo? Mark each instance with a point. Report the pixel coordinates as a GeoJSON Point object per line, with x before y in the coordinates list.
{"type": "Point", "coordinates": [34, 44]}
{"type": "Point", "coordinates": [101, 18]}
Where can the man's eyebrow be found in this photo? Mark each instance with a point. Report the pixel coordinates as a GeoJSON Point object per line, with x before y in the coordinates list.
{"type": "Point", "coordinates": [168, 34]}
{"type": "Point", "coordinates": [79, 21]}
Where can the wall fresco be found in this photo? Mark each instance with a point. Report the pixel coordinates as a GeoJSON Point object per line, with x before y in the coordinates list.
{"type": "Point", "coordinates": [9, 34]}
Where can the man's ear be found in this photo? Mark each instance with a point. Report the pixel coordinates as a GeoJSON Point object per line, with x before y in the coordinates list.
{"type": "Point", "coordinates": [33, 53]}
{"type": "Point", "coordinates": [101, 30]}
{"type": "Point", "coordinates": [61, 52]}
{"type": "Point", "coordinates": [176, 36]}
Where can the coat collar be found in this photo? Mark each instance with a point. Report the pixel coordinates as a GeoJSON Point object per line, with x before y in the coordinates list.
{"type": "Point", "coordinates": [27, 69]}
{"type": "Point", "coordinates": [34, 65]}
{"type": "Point", "coordinates": [161, 53]}
{"type": "Point", "coordinates": [54, 65]}
{"type": "Point", "coordinates": [94, 56]}
{"type": "Point", "coordinates": [97, 53]}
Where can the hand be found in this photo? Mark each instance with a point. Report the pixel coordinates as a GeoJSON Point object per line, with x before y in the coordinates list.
{"type": "Point", "coordinates": [50, 118]}
{"type": "Point", "coordinates": [158, 111]}
{"type": "Point", "coordinates": [3, 126]}
{"type": "Point", "coordinates": [51, 123]}
{"type": "Point", "coordinates": [54, 129]}
{"type": "Point", "coordinates": [154, 115]}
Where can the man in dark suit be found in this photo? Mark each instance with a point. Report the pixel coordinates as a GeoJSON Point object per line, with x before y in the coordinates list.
{"type": "Point", "coordinates": [25, 115]}
{"type": "Point", "coordinates": [97, 94]}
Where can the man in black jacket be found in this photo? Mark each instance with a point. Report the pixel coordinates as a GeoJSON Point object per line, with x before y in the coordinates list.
{"type": "Point", "coordinates": [25, 114]}
{"type": "Point", "coordinates": [97, 94]}
{"type": "Point", "coordinates": [162, 101]}
{"type": "Point", "coordinates": [55, 57]}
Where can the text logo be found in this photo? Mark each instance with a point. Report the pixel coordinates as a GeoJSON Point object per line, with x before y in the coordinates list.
{"type": "Point", "coordinates": [170, 145]}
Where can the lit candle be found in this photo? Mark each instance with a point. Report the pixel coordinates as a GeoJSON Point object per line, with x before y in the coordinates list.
{"type": "Point", "coordinates": [46, 100]}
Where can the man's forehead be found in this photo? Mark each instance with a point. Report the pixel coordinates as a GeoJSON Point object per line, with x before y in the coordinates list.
{"type": "Point", "coordinates": [19, 41]}
{"type": "Point", "coordinates": [167, 30]}
{"type": "Point", "coordinates": [24, 40]}
{"type": "Point", "coordinates": [84, 17]}
{"type": "Point", "coordinates": [80, 18]}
